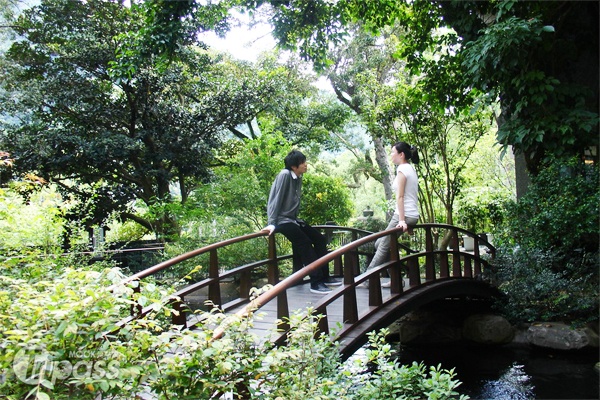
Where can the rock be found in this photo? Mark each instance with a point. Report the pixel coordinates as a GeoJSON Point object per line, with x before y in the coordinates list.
{"type": "Point", "coordinates": [594, 340]}
{"type": "Point", "coordinates": [406, 331]}
{"type": "Point", "coordinates": [488, 329]}
{"type": "Point", "coordinates": [560, 336]}
{"type": "Point", "coordinates": [425, 327]}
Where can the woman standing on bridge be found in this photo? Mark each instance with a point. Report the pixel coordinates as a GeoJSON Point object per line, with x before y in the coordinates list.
{"type": "Point", "coordinates": [406, 187]}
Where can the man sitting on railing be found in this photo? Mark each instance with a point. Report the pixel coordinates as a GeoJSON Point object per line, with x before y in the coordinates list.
{"type": "Point", "coordinates": [282, 212]}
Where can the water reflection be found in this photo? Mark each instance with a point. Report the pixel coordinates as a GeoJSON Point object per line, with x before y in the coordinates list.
{"type": "Point", "coordinates": [513, 371]}
{"type": "Point", "coordinates": [513, 384]}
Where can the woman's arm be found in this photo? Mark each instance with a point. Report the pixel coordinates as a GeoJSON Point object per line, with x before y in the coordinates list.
{"type": "Point", "coordinates": [400, 200]}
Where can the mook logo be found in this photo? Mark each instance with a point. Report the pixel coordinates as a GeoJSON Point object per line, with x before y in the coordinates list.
{"type": "Point", "coordinates": [34, 365]}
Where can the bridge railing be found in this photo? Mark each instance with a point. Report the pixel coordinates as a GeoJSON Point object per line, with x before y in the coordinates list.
{"type": "Point", "coordinates": [421, 267]}
{"type": "Point", "coordinates": [336, 235]}
{"type": "Point", "coordinates": [421, 264]}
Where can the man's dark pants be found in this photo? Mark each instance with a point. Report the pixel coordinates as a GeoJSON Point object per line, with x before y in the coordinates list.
{"type": "Point", "coordinates": [308, 244]}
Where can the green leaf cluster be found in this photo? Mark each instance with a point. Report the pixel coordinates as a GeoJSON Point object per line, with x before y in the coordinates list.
{"type": "Point", "coordinates": [58, 340]}
{"type": "Point", "coordinates": [548, 262]}
{"type": "Point", "coordinates": [110, 126]}
{"type": "Point", "coordinates": [55, 335]}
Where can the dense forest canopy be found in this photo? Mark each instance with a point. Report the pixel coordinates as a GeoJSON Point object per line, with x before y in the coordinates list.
{"type": "Point", "coordinates": [120, 101]}
{"type": "Point", "coordinates": [539, 59]}
{"type": "Point", "coordinates": [92, 108]}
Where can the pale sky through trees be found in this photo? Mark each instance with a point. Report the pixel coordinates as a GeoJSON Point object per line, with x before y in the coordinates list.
{"type": "Point", "coordinates": [245, 42]}
{"type": "Point", "coordinates": [242, 42]}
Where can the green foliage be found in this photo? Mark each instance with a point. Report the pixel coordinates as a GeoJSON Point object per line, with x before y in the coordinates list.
{"type": "Point", "coordinates": [549, 264]}
{"type": "Point", "coordinates": [35, 225]}
{"type": "Point", "coordinates": [164, 31]}
{"type": "Point", "coordinates": [56, 343]}
{"type": "Point", "coordinates": [547, 115]}
{"type": "Point", "coordinates": [125, 231]}
{"type": "Point", "coordinates": [370, 224]}
{"type": "Point", "coordinates": [54, 335]}
{"type": "Point", "coordinates": [108, 140]}
{"type": "Point", "coordinates": [497, 48]}
{"type": "Point", "coordinates": [241, 187]}
{"type": "Point", "coordinates": [537, 289]}
{"type": "Point", "coordinates": [560, 209]}
{"type": "Point", "coordinates": [325, 199]}
{"type": "Point", "coordinates": [445, 142]}
{"type": "Point", "coordinates": [391, 380]}
{"type": "Point", "coordinates": [481, 214]}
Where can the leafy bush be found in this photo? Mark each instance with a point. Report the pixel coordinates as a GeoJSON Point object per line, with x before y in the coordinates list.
{"type": "Point", "coordinates": [560, 210]}
{"type": "Point", "coordinates": [33, 225]}
{"type": "Point", "coordinates": [537, 291]}
{"type": "Point", "coordinates": [325, 199]}
{"type": "Point", "coordinates": [391, 380]}
{"type": "Point", "coordinates": [370, 224]}
{"type": "Point", "coordinates": [480, 214]}
{"type": "Point", "coordinates": [55, 335]}
{"type": "Point", "coordinates": [548, 262]}
{"type": "Point", "coordinates": [55, 344]}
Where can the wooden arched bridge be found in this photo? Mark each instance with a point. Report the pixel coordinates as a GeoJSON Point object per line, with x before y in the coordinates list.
{"type": "Point", "coordinates": [427, 265]}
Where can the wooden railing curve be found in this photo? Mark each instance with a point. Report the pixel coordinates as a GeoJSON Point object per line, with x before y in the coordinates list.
{"type": "Point", "coordinates": [452, 264]}
{"type": "Point", "coordinates": [215, 277]}
{"type": "Point", "coordinates": [438, 265]}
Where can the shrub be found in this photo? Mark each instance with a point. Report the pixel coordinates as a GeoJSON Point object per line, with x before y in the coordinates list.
{"type": "Point", "coordinates": [560, 210]}
{"type": "Point", "coordinates": [55, 344]}
{"type": "Point", "coordinates": [55, 336]}
{"type": "Point", "coordinates": [536, 291]}
{"type": "Point", "coordinates": [548, 262]}
{"type": "Point", "coordinates": [370, 224]}
{"type": "Point", "coordinates": [390, 380]}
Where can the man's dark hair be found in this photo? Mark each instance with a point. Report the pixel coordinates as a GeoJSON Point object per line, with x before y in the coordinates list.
{"type": "Point", "coordinates": [294, 159]}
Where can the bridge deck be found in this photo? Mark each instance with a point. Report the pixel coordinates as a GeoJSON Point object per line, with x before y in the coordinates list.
{"type": "Point", "coordinates": [300, 298]}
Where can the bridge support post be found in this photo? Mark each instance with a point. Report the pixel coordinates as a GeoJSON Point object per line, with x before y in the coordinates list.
{"type": "Point", "coordinates": [214, 288]}
{"type": "Point", "coordinates": [414, 275]}
{"type": "Point", "coordinates": [136, 308]}
{"type": "Point", "coordinates": [179, 316]}
{"type": "Point", "coordinates": [350, 310]}
{"type": "Point", "coordinates": [272, 266]}
{"type": "Point", "coordinates": [429, 258]}
{"type": "Point", "coordinates": [395, 272]}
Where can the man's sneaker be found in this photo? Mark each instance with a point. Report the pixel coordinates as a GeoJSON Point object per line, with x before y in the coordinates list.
{"type": "Point", "coordinates": [331, 281]}
{"type": "Point", "coordinates": [320, 288]}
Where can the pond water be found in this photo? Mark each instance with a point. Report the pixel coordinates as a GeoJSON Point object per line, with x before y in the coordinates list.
{"type": "Point", "coordinates": [514, 372]}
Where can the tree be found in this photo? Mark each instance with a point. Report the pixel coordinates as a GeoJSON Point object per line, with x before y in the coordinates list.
{"type": "Point", "coordinates": [548, 109]}
{"type": "Point", "coordinates": [241, 186]}
{"type": "Point", "coordinates": [105, 137]}
{"type": "Point", "coordinates": [397, 106]}
{"type": "Point", "coordinates": [305, 117]}
{"type": "Point", "coordinates": [360, 70]}
{"type": "Point", "coordinates": [445, 141]}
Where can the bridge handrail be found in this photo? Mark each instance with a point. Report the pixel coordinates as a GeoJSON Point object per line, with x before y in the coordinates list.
{"type": "Point", "coordinates": [280, 287]}
{"type": "Point", "coordinates": [350, 282]}
{"type": "Point", "coordinates": [215, 276]}
{"type": "Point", "coordinates": [186, 256]}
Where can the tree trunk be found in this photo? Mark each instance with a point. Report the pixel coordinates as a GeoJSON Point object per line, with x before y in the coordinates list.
{"type": "Point", "coordinates": [381, 157]}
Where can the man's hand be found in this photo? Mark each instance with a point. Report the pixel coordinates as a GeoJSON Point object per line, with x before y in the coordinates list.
{"type": "Point", "coordinates": [269, 229]}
